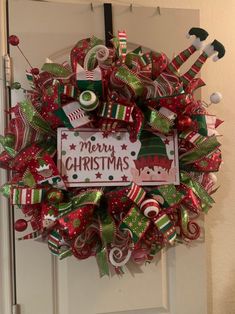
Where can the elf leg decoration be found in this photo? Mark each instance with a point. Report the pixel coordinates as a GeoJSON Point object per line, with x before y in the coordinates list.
{"type": "Point", "coordinates": [169, 81]}
{"type": "Point", "coordinates": [214, 48]}
{"type": "Point", "coordinates": [200, 35]}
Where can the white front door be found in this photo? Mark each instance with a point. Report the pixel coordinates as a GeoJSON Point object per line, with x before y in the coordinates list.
{"type": "Point", "coordinates": [175, 283]}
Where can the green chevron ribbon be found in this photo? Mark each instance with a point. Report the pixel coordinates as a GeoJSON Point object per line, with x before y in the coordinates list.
{"type": "Point", "coordinates": [200, 151]}
{"type": "Point", "coordinates": [91, 197]}
{"type": "Point", "coordinates": [6, 189]}
{"type": "Point", "coordinates": [34, 119]}
{"type": "Point", "coordinates": [205, 198]}
{"type": "Point", "coordinates": [8, 144]}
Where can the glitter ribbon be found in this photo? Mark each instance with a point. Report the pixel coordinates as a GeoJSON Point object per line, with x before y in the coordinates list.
{"type": "Point", "coordinates": [128, 77]}
{"type": "Point", "coordinates": [206, 199]}
{"type": "Point", "coordinates": [158, 121]}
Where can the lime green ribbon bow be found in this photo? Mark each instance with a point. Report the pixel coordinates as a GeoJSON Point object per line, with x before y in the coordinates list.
{"type": "Point", "coordinates": [107, 232]}
{"type": "Point", "coordinates": [131, 79]}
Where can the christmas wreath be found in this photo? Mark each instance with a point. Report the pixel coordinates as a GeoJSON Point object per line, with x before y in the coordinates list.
{"type": "Point", "coordinates": [136, 97]}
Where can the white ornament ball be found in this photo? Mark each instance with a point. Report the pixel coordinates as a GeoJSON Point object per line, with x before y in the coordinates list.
{"type": "Point", "coordinates": [150, 208]}
{"type": "Point", "coordinates": [216, 98]}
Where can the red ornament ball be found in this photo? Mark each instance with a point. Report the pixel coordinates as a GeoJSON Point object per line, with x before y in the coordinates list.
{"type": "Point", "coordinates": [20, 225]}
{"type": "Point", "coordinates": [35, 71]}
{"type": "Point", "coordinates": [55, 196]}
{"type": "Point", "coordinates": [13, 40]}
{"type": "Point", "coordinates": [185, 122]}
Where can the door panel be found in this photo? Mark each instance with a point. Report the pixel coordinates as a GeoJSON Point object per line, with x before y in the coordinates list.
{"type": "Point", "coordinates": [140, 288]}
{"type": "Point", "coordinates": [45, 285]}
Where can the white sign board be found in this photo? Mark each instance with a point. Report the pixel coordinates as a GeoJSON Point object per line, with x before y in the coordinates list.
{"type": "Point", "coordinates": [90, 157]}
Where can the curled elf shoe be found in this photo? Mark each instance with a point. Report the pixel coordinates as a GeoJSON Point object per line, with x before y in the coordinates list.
{"type": "Point", "coordinates": [215, 48]}
{"type": "Point", "coordinates": [200, 36]}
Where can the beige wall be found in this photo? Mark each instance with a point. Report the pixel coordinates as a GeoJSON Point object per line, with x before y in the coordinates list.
{"type": "Point", "coordinates": [218, 17]}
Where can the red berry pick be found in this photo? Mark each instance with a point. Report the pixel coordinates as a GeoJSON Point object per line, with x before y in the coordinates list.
{"type": "Point", "coordinates": [35, 71]}
{"type": "Point", "coordinates": [21, 225]}
{"type": "Point", "coordinates": [13, 40]}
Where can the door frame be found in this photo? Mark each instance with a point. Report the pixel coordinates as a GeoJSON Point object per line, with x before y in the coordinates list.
{"type": "Point", "coordinates": [7, 287]}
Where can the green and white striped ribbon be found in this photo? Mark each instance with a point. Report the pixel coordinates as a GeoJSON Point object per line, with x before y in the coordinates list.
{"type": "Point", "coordinates": [116, 111]}
{"type": "Point", "coordinates": [68, 90]}
{"type": "Point", "coordinates": [26, 196]}
{"type": "Point", "coordinates": [193, 137]}
{"type": "Point", "coordinates": [166, 227]}
{"type": "Point", "coordinates": [55, 244]}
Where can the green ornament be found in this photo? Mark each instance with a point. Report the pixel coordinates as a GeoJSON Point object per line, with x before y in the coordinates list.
{"type": "Point", "coordinates": [88, 100]}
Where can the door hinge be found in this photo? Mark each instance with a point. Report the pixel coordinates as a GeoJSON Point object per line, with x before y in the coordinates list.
{"type": "Point", "coordinates": [15, 309]}
{"type": "Point", "coordinates": [8, 70]}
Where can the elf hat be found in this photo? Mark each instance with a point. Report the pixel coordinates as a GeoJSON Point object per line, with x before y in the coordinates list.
{"type": "Point", "coordinates": [152, 152]}
{"type": "Point", "coordinates": [42, 165]}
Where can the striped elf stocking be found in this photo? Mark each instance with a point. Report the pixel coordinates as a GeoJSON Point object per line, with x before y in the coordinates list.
{"type": "Point", "coordinates": [195, 69]}
{"type": "Point", "coordinates": [215, 48]}
{"type": "Point", "coordinates": [200, 35]}
{"type": "Point", "coordinates": [180, 59]}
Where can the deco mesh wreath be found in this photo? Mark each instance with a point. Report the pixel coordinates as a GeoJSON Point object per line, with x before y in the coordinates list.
{"type": "Point", "coordinates": [111, 90]}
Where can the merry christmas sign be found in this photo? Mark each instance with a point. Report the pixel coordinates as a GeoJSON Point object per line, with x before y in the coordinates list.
{"type": "Point", "coordinates": [90, 157]}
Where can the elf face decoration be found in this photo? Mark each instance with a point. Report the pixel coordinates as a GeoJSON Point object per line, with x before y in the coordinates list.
{"type": "Point", "coordinates": [153, 163]}
{"type": "Point", "coordinates": [111, 90]}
